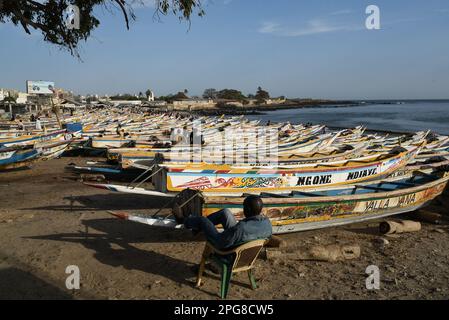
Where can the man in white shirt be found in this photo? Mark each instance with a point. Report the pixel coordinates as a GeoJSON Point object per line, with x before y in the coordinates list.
{"type": "Point", "coordinates": [38, 124]}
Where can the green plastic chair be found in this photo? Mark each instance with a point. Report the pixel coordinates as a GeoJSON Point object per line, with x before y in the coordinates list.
{"type": "Point", "coordinates": [238, 259]}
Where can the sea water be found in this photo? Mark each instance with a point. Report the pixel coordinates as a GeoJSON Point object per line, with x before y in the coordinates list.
{"type": "Point", "coordinates": [407, 116]}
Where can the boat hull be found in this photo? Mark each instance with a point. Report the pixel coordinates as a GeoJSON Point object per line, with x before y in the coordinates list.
{"type": "Point", "coordinates": [310, 212]}
{"type": "Point", "coordinates": [224, 179]}
{"type": "Point", "coordinates": [300, 214]}
{"type": "Point", "coordinates": [12, 159]}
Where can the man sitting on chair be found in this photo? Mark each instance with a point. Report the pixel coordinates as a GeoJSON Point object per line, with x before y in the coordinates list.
{"type": "Point", "coordinates": [253, 227]}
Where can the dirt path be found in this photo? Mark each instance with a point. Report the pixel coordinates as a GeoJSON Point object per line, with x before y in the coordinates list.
{"type": "Point", "coordinates": [49, 221]}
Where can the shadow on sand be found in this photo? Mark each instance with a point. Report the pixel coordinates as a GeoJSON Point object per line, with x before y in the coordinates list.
{"type": "Point", "coordinates": [17, 285]}
{"type": "Point", "coordinates": [122, 234]}
{"type": "Point", "coordinates": [110, 201]}
{"type": "Point", "coordinates": [114, 247]}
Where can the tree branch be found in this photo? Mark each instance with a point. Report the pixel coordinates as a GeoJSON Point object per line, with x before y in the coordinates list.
{"type": "Point", "coordinates": [122, 6]}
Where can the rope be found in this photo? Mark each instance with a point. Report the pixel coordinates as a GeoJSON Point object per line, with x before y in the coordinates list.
{"type": "Point", "coordinates": [141, 175]}
{"type": "Point", "coordinates": [190, 199]}
{"type": "Point", "coordinates": [165, 206]}
{"type": "Point", "coordinates": [147, 178]}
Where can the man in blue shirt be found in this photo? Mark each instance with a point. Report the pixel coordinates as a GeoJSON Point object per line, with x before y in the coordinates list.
{"type": "Point", "coordinates": [254, 226]}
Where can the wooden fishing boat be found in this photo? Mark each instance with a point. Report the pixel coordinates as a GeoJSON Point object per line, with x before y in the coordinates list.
{"type": "Point", "coordinates": [31, 139]}
{"type": "Point", "coordinates": [214, 152]}
{"type": "Point", "coordinates": [53, 149]}
{"type": "Point", "coordinates": [300, 211]}
{"type": "Point", "coordinates": [426, 167]}
{"type": "Point", "coordinates": [129, 158]}
{"type": "Point", "coordinates": [225, 179]}
{"type": "Point", "coordinates": [17, 157]}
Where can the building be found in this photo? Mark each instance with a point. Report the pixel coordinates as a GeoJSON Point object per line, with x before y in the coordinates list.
{"type": "Point", "coordinates": [275, 101]}
{"type": "Point", "coordinates": [151, 96]}
{"type": "Point", "coordinates": [5, 93]}
{"type": "Point", "coordinates": [189, 104]}
{"type": "Point", "coordinates": [117, 103]}
{"type": "Point", "coordinates": [22, 98]}
{"type": "Point", "coordinates": [156, 103]}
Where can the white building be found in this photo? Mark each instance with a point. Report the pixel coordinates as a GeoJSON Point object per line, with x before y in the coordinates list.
{"type": "Point", "coordinates": [22, 98]}
{"type": "Point", "coordinates": [117, 103]}
{"type": "Point", "coordinates": [151, 96]}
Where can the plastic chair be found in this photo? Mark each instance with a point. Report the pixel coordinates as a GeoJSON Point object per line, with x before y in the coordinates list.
{"type": "Point", "coordinates": [238, 259]}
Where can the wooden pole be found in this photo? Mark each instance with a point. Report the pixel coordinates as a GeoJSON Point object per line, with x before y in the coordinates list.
{"type": "Point", "coordinates": [55, 109]}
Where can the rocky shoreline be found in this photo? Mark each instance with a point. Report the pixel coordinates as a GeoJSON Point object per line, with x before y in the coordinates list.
{"type": "Point", "coordinates": [262, 109]}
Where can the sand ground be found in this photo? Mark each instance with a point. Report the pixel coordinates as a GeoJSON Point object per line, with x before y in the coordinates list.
{"type": "Point", "coordinates": [49, 220]}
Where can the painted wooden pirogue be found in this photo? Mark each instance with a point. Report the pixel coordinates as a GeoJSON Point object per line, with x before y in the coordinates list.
{"type": "Point", "coordinates": [292, 151]}
{"type": "Point", "coordinates": [31, 139]}
{"type": "Point", "coordinates": [299, 211]}
{"type": "Point", "coordinates": [226, 179]}
{"type": "Point", "coordinates": [23, 150]}
{"type": "Point", "coordinates": [242, 180]}
{"type": "Point", "coordinates": [302, 152]}
{"type": "Point", "coordinates": [425, 166]}
{"type": "Point", "coordinates": [17, 157]}
{"type": "Point", "coordinates": [53, 149]}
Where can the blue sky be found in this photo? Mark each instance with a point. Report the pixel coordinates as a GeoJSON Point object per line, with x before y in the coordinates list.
{"type": "Point", "coordinates": [297, 48]}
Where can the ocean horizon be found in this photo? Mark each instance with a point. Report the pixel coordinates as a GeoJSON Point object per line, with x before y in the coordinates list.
{"type": "Point", "coordinates": [386, 115]}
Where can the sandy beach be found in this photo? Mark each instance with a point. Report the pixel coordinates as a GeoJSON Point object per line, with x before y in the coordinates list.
{"type": "Point", "coordinates": [49, 220]}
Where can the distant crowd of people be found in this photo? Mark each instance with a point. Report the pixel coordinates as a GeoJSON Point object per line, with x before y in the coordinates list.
{"type": "Point", "coordinates": [21, 126]}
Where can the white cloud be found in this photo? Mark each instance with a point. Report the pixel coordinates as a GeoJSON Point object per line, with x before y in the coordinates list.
{"type": "Point", "coordinates": [313, 27]}
{"type": "Point", "coordinates": [341, 12]}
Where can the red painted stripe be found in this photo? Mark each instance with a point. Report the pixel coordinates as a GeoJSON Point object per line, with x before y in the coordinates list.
{"type": "Point", "coordinates": [120, 215]}
{"type": "Point", "coordinates": [222, 171]}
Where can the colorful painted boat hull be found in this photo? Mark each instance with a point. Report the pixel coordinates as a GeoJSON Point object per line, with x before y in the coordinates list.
{"type": "Point", "coordinates": [11, 159]}
{"type": "Point", "coordinates": [289, 215]}
{"type": "Point", "coordinates": [300, 213]}
{"type": "Point", "coordinates": [29, 140]}
{"type": "Point", "coordinates": [225, 179]}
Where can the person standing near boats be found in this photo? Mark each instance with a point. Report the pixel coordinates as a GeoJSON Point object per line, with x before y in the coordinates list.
{"type": "Point", "coordinates": [38, 124]}
{"type": "Point", "coordinates": [20, 125]}
{"type": "Point", "coordinates": [254, 226]}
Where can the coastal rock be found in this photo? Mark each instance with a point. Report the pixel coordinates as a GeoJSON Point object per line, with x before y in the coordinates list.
{"type": "Point", "coordinates": [381, 241]}
{"type": "Point", "coordinates": [330, 253]}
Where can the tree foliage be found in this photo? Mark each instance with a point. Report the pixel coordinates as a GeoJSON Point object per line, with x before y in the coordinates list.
{"type": "Point", "coordinates": [125, 96]}
{"type": "Point", "coordinates": [49, 16]}
{"type": "Point", "coordinates": [10, 99]}
{"type": "Point", "coordinates": [261, 94]}
{"type": "Point", "coordinates": [165, 98]}
{"type": "Point", "coordinates": [180, 96]}
{"type": "Point", "coordinates": [210, 93]}
{"type": "Point", "coordinates": [230, 94]}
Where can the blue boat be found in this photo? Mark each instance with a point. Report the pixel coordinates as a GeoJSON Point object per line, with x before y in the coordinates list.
{"type": "Point", "coordinates": [11, 158]}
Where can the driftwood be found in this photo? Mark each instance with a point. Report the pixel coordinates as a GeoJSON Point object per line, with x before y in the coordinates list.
{"type": "Point", "coordinates": [331, 253]}
{"type": "Point", "coordinates": [390, 227]}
